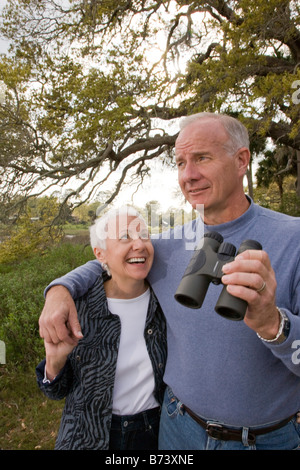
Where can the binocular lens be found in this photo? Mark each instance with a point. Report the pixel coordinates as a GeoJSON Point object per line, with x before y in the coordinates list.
{"type": "Point", "coordinates": [230, 307]}
{"type": "Point", "coordinates": [206, 266]}
{"type": "Point", "coordinates": [192, 290]}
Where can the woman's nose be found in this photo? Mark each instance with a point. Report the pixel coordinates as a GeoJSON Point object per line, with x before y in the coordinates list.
{"type": "Point", "coordinates": [137, 242]}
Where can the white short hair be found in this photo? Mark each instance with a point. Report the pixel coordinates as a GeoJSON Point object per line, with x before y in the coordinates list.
{"type": "Point", "coordinates": [98, 231]}
{"type": "Point", "coordinates": [236, 131]}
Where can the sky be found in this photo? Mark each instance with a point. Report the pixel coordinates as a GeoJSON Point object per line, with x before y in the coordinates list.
{"type": "Point", "coordinates": [3, 43]}
{"type": "Point", "coordinates": [161, 186]}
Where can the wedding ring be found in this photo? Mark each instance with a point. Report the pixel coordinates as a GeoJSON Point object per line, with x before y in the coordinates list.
{"type": "Point", "coordinates": [262, 287]}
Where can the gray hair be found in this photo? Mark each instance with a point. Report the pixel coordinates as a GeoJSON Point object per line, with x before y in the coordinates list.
{"type": "Point", "coordinates": [236, 131]}
{"type": "Point", "coordinates": [98, 231]}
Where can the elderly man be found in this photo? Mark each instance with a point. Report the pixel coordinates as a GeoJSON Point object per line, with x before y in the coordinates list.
{"type": "Point", "coordinates": [230, 384]}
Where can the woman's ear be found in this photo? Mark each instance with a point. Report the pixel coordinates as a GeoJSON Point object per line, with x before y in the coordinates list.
{"type": "Point", "coordinates": [100, 254]}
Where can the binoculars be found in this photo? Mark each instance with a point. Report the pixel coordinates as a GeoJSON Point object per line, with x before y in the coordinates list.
{"type": "Point", "coordinates": [206, 266]}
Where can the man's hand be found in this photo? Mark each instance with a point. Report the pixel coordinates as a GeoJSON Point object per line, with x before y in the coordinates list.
{"type": "Point", "coordinates": [59, 321]}
{"type": "Point", "coordinates": [251, 277]}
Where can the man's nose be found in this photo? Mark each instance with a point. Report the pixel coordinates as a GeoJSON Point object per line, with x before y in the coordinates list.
{"type": "Point", "coordinates": [190, 172]}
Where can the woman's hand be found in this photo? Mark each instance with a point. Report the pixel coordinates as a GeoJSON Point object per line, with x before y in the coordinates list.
{"type": "Point", "coordinates": [56, 357]}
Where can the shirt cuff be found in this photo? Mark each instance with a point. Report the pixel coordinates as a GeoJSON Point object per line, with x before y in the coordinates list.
{"type": "Point", "coordinates": [45, 379]}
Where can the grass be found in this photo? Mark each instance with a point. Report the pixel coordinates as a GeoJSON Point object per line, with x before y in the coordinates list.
{"type": "Point", "coordinates": [28, 420]}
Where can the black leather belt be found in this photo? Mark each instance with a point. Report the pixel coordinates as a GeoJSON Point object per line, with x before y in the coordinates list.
{"type": "Point", "coordinates": [218, 431]}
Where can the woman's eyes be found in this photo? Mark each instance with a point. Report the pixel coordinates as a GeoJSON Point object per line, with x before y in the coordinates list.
{"type": "Point", "coordinates": [124, 236]}
{"type": "Point", "coordinates": [144, 235]}
{"type": "Point", "coordinates": [127, 236]}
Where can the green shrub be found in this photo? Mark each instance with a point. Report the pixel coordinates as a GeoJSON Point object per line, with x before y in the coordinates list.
{"type": "Point", "coordinates": [21, 298]}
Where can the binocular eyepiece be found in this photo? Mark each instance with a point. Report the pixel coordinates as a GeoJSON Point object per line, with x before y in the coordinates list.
{"type": "Point", "coordinates": [206, 266]}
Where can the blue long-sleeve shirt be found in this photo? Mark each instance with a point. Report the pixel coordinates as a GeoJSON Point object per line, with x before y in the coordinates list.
{"type": "Point", "coordinates": [217, 367]}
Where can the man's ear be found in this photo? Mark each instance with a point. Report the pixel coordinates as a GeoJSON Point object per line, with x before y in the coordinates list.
{"type": "Point", "coordinates": [243, 159]}
{"type": "Point", "coordinates": [100, 254]}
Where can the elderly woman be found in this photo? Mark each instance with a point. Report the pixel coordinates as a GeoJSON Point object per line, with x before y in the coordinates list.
{"type": "Point", "coordinates": [113, 378]}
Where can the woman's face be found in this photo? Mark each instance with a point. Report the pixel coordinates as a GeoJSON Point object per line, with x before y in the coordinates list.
{"type": "Point", "coordinates": [129, 252]}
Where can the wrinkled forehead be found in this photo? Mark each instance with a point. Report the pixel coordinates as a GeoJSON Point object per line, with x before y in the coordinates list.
{"type": "Point", "coordinates": [125, 223]}
{"type": "Point", "coordinates": [201, 134]}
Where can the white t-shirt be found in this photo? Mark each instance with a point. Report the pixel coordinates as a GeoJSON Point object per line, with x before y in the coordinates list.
{"type": "Point", "coordinates": [134, 380]}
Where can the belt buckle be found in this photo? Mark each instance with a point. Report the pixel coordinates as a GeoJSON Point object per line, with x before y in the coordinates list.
{"type": "Point", "coordinates": [214, 430]}
{"type": "Point", "coordinates": [219, 432]}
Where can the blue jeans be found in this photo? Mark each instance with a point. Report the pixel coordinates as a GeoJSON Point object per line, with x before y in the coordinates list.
{"type": "Point", "coordinates": [179, 431]}
{"type": "Point", "coordinates": [135, 432]}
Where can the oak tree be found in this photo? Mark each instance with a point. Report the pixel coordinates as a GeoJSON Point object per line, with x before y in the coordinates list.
{"type": "Point", "coordinates": [93, 88]}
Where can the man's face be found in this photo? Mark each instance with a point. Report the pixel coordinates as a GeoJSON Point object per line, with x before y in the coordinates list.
{"type": "Point", "coordinates": [207, 173]}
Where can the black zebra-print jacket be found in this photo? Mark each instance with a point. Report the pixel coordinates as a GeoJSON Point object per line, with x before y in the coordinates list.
{"type": "Point", "coordinates": [87, 380]}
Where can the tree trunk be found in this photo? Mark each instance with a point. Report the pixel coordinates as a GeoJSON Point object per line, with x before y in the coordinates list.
{"type": "Point", "coordinates": [298, 173]}
{"type": "Point", "coordinates": [250, 180]}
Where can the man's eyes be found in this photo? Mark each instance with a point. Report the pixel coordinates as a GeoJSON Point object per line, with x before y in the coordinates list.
{"type": "Point", "coordinates": [199, 158]}
{"type": "Point", "coordinates": [179, 164]}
